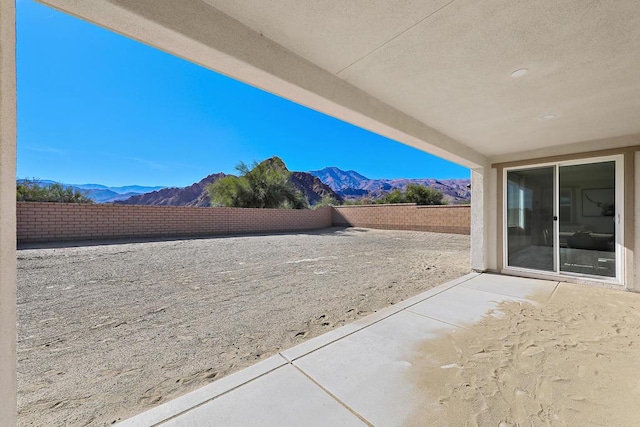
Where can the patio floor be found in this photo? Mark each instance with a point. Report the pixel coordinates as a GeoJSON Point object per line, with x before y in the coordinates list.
{"type": "Point", "coordinates": [365, 372]}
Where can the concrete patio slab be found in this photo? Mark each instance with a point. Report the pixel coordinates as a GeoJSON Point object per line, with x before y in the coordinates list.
{"type": "Point", "coordinates": [360, 374]}
{"type": "Point", "coordinates": [519, 287]}
{"type": "Point", "coordinates": [325, 339]}
{"type": "Point", "coordinates": [462, 306]}
{"type": "Point", "coordinates": [204, 394]}
{"type": "Point", "coordinates": [369, 371]}
{"type": "Point", "coordinates": [582, 293]}
{"type": "Point", "coordinates": [284, 397]}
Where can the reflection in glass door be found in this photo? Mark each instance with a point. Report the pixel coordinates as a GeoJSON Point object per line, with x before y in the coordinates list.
{"type": "Point", "coordinates": [530, 196]}
{"type": "Point", "coordinates": [586, 215]}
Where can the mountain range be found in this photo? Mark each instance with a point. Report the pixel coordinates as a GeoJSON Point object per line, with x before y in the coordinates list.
{"type": "Point", "coordinates": [101, 193]}
{"type": "Point", "coordinates": [331, 181]}
{"type": "Point", "coordinates": [352, 185]}
{"type": "Point", "coordinates": [196, 194]}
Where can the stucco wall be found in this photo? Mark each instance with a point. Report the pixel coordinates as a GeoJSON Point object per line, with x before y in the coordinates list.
{"type": "Point", "coordinates": [7, 214]}
{"type": "Point", "coordinates": [42, 222]}
{"type": "Point", "coordinates": [630, 234]}
{"type": "Point", "coordinates": [439, 219]}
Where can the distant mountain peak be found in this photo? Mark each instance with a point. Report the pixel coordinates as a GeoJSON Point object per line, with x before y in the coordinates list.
{"type": "Point", "coordinates": [351, 184]}
{"type": "Point", "coordinates": [338, 171]}
{"type": "Point", "coordinates": [338, 179]}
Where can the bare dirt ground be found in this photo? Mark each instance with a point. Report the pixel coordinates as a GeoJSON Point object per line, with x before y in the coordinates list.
{"type": "Point", "coordinates": [107, 331]}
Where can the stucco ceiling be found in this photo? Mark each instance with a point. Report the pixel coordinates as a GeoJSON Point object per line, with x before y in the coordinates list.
{"type": "Point", "coordinates": [449, 63]}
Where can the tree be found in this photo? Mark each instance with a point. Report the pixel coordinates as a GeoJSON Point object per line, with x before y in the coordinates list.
{"type": "Point", "coordinates": [32, 191]}
{"type": "Point", "coordinates": [327, 200]}
{"type": "Point", "coordinates": [414, 193]}
{"type": "Point", "coordinates": [423, 195]}
{"type": "Point", "coordinates": [358, 202]}
{"type": "Point", "coordinates": [266, 185]}
{"type": "Point", "coordinates": [395, 196]}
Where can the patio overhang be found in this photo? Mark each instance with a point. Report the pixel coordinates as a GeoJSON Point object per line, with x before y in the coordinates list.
{"type": "Point", "coordinates": [203, 34]}
{"type": "Point", "coordinates": [437, 75]}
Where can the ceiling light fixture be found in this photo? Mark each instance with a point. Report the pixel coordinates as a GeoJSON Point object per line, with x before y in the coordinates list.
{"type": "Point", "coordinates": [519, 73]}
{"type": "Point", "coordinates": [548, 117]}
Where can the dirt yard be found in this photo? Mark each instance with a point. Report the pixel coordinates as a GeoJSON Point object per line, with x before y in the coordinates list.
{"type": "Point", "coordinates": [107, 331]}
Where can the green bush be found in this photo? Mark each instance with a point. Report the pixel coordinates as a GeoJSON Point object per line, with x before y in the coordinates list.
{"type": "Point", "coordinates": [326, 200]}
{"type": "Point", "coordinates": [32, 191]}
{"type": "Point", "coordinates": [361, 201]}
{"type": "Point", "coordinates": [414, 193]}
{"type": "Point", "coordinates": [423, 195]}
{"type": "Point", "coordinates": [266, 185]}
{"type": "Point", "coordinates": [395, 196]}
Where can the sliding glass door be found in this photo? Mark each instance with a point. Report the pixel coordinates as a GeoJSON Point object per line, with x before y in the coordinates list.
{"type": "Point", "coordinates": [587, 212]}
{"type": "Point", "coordinates": [530, 231]}
{"type": "Point", "coordinates": [565, 218]}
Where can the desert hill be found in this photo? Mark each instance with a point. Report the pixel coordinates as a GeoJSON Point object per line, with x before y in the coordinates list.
{"type": "Point", "coordinates": [196, 194]}
{"type": "Point", "coordinates": [193, 195]}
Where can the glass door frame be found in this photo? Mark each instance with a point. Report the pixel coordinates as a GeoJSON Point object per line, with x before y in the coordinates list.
{"type": "Point", "coordinates": [618, 218]}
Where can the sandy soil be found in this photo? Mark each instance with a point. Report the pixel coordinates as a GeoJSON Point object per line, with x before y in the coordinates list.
{"type": "Point", "coordinates": [571, 361]}
{"type": "Point", "coordinates": [108, 331]}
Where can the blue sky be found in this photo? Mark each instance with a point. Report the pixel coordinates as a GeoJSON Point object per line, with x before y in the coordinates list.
{"type": "Point", "coordinates": [94, 106]}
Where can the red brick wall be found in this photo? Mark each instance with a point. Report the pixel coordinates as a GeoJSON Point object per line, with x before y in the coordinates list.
{"type": "Point", "coordinates": [42, 222]}
{"type": "Point", "coordinates": [439, 219]}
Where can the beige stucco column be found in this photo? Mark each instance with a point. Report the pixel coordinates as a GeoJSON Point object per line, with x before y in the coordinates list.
{"type": "Point", "coordinates": [633, 274]}
{"type": "Point", "coordinates": [7, 213]}
{"type": "Point", "coordinates": [483, 219]}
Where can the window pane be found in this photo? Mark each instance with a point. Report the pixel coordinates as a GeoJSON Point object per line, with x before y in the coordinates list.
{"type": "Point", "coordinates": [587, 227]}
{"type": "Point", "coordinates": [530, 218]}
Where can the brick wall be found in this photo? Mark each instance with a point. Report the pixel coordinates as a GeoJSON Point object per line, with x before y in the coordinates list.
{"type": "Point", "coordinates": [43, 222]}
{"type": "Point", "coordinates": [439, 219]}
